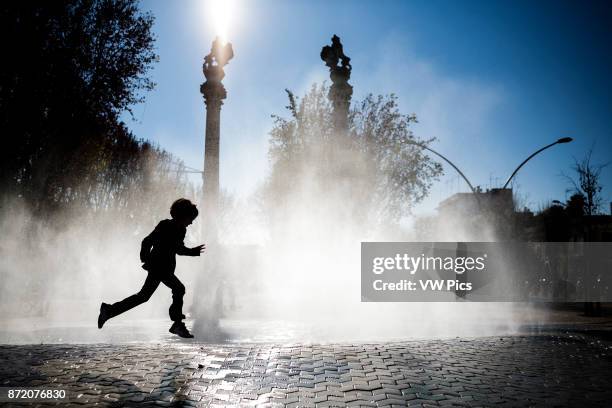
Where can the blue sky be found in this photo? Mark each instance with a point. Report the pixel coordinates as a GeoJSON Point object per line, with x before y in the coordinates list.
{"type": "Point", "coordinates": [492, 80]}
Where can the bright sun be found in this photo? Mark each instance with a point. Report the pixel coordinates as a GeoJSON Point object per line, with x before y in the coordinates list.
{"type": "Point", "coordinates": [220, 14]}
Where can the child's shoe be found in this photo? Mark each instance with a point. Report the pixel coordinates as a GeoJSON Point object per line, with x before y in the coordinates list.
{"type": "Point", "coordinates": [179, 329]}
{"type": "Point", "coordinates": [104, 314]}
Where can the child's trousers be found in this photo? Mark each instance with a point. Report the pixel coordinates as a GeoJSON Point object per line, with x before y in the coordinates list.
{"type": "Point", "coordinates": [151, 283]}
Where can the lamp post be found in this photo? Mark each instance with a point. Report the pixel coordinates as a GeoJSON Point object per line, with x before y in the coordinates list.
{"type": "Point", "coordinates": [560, 141]}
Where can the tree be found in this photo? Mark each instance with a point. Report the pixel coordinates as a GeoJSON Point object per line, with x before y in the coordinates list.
{"type": "Point", "coordinates": [377, 168]}
{"type": "Point", "coordinates": [70, 70]}
{"type": "Point", "coordinates": [575, 205]}
{"type": "Point", "coordinates": [588, 184]}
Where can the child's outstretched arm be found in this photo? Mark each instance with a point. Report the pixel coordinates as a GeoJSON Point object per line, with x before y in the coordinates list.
{"type": "Point", "coordinates": [195, 251]}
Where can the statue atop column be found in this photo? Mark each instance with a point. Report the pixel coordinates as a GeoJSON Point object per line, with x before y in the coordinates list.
{"type": "Point", "coordinates": [340, 91]}
{"type": "Point", "coordinates": [218, 57]}
{"type": "Point", "coordinates": [214, 62]}
{"type": "Point", "coordinates": [334, 54]}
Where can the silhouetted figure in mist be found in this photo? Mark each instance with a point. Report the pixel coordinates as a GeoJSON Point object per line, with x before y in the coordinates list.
{"type": "Point", "coordinates": [158, 254]}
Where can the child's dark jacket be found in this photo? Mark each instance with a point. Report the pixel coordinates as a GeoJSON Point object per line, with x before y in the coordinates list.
{"type": "Point", "coordinates": [159, 249]}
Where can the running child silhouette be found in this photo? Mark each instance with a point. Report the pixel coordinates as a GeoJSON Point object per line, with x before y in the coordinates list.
{"type": "Point", "coordinates": [158, 254]}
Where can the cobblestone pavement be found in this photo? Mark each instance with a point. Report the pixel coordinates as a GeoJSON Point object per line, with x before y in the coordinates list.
{"type": "Point", "coordinates": [529, 370]}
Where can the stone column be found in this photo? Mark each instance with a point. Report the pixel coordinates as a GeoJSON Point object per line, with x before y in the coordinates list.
{"type": "Point", "coordinates": [337, 153]}
{"type": "Point", "coordinates": [208, 302]}
{"type": "Point", "coordinates": [214, 93]}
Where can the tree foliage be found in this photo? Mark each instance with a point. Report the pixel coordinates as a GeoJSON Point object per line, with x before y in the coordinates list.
{"type": "Point", "coordinates": [70, 70]}
{"type": "Point", "coordinates": [588, 183]}
{"type": "Point", "coordinates": [376, 166]}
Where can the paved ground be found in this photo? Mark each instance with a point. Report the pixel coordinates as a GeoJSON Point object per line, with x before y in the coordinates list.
{"type": "Point", "coordinates": [531, 370]}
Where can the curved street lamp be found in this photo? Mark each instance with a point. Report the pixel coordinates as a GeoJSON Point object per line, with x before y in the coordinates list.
{"type": "Point", "coordinates": [560, 141]}
{"type": "Point", "coordinates": [476, 195]}
{"type": "Point", "coordinates": [422, 146]}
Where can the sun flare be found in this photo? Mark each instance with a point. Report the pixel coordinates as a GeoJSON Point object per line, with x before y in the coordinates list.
{"type": "Point", "coordinates": [220, 14]}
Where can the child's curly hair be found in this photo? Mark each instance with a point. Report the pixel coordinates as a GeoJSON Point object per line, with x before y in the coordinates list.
{"type": "Point", "coordinates": [183, 208]}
